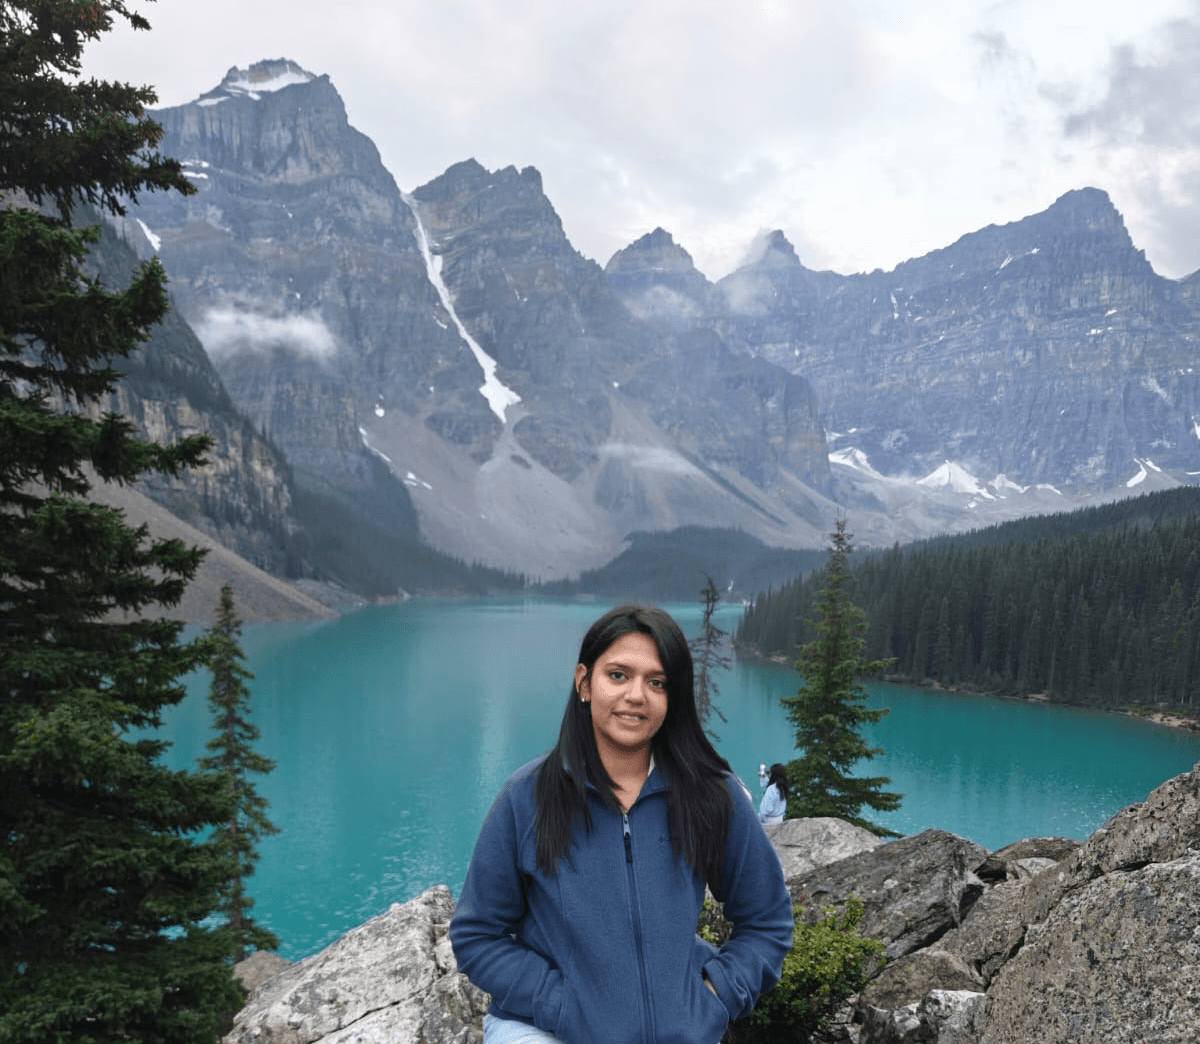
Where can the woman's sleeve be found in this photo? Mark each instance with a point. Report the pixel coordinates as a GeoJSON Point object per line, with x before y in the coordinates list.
{"type": "Point", "coordinates": [522, 982]}
{"type": "Point", "coordinates": [758, 905]}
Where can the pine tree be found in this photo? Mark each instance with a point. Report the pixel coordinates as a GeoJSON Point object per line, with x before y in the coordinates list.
{"type": "Point", "coordinates": [233, 756]}
{"type": "Point", "coordinates": [105, 882]}
{"type": "Point", "coordinates": [708, 654]}
{"type": "Point", "coordinates": [830, 708]}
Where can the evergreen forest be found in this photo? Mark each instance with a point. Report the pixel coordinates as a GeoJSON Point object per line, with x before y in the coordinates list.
{"type": "Point", "coordinates": [1099, 607]}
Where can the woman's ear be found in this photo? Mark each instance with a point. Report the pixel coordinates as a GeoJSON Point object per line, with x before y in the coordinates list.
{"type": "Point", "coordinates": [582, 685]}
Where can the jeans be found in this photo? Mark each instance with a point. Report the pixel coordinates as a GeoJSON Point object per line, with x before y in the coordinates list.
{"type": "Point", "coordinates": [510, 1031]}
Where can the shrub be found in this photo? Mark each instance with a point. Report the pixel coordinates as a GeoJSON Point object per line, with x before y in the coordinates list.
{"type": "Point", "coordinates": [828, 962]}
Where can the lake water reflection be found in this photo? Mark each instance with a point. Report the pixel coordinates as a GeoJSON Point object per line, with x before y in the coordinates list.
{"type": "Point", "coordinates": [394, 727]}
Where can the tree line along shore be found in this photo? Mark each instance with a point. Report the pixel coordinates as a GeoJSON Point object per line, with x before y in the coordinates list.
{"type": "Point", "coordinates": [1097, 608]}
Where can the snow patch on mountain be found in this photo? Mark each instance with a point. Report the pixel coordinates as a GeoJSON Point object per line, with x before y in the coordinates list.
{"type": "Point", "coordinates": [1011, 258]}
{"type": "Point", "coordinates": [852, 457]}
{"type": "Point", "coordinates": [1003, 485]}
{"type": "Point", "coordinates": [1152, 385]}
{"type": "Point", "coordinates": [499, 396]}
{"type": "Point", "coordinates": [259, 79]}
{"type": "Point", "coordinates": [956, 478]}
{"type": "Point", "coordinates": [1144, 469]}
{"type": "Point", "coordinates": [367, 443]}
{"type": "Point", "coordinates": [155, 241]}
{"type": "Point", "coordinates": [265, 77]}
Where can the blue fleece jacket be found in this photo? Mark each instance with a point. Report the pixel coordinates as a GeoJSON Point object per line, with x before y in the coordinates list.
{"type": "Point", "coordinates": [604, 951]}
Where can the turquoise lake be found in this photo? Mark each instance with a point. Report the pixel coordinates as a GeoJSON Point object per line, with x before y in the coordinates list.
{"type": "Point", "coordinates": [394, 727]}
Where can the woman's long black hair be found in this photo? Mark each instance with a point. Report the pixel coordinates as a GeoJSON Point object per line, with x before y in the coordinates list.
{"type": "Point", "coordinates": [779, 777]}
{"type": "Point", "coordinates": [698, 800]}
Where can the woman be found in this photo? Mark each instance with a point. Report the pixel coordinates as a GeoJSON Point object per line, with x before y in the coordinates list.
{"type": "Point", "coordinates": [578, 914]}
{"type": "Point", "coordinates": [774, 800]}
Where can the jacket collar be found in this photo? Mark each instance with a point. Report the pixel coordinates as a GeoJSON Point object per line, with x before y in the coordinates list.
{"type": "Point", "coordinates": [655, 783]}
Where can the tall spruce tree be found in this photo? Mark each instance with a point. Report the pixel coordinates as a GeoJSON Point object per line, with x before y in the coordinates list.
{"type": "Point", "coordinates": [830, 708]}
{"type": "Point", "coordinates": [233, 756]}
{"type": "Point", "coordinates": [105, 883]}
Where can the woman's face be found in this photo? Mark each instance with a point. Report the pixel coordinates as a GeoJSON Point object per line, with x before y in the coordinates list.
{"type": "Point", "coordinates": [628, 693]}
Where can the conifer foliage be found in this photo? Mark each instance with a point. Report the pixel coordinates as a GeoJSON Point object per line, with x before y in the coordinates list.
{"type": "Point", "coordinates": [104, 882]}
{"type": "Point", "coordinates": [830, 708]}
{"type": "Point", "coordinates": [1098, 607]}
{"type": "Point", "coordinates": [233, 756]}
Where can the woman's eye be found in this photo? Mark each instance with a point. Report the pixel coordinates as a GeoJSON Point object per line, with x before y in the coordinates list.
{"type": "Point", "coordinates": [659, 683]}
{"type": "Point", "coordinates": [617, 675]}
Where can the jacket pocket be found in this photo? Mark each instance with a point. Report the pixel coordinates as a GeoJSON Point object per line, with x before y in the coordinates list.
{"type": "Point", "coordinates": [708, 1014]}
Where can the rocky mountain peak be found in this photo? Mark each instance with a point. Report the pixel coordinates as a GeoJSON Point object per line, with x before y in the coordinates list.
{"type": "Point", "coordinates": [274, 122]}
{"type": "Point", "coordinates": [1005, 353]}
{"type": "Point", "coordinates": [657, 281]}
{"type": "Point", "coordinates": [655, 251]}
{"type": "Point", "coordinates": [1081, 216]}
{"type": "Point", "coordinates": [1081, 232]}
{"type": "Point", "coordinates": [772, 250]}
{"type": "Point", "coordinates": [772, 278]}
{"type": "Point", "coordinates": [507, 197]}
{"type": "Point", "coordinates": [1088, 208]}
{"type": "Point", "coordinates": [264, 77]}
{"type": "Point", "coordinates": [470, 175]}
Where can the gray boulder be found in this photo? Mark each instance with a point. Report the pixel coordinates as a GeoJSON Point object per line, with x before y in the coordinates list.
{"type": "Point", "coordinates": [941, 1017]}
{"type": "Point", "coordinates": [914, 889]}
{"type": "Point", "coordinates": [1014, 861]}
{"type": "Point", "coordinates": [1101, 947]}
{"type": "Point", "coordinates": [991, 933]}
{"type": "Point", "coordinates": [1024, 869]}
{"type": "Point", "coordinates": [1117, 961]}
{"type": "Point", "coordinates": [1163, 827]}
{"type": "Point", "coordinates": [392, 980]}
{"type": "Point", "coordinates": [805, 844]}
{"type": "Point", "coordinates": [258, 968]}
{"type": "Point", "coordinates": [908, 979]}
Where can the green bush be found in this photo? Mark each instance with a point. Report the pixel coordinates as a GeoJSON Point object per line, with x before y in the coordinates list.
{"type": "Point", "coordinates": [828, 962]}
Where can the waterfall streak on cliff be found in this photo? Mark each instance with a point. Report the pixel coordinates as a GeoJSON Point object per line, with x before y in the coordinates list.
{"type": "Point", "coordinates": [499, 397]}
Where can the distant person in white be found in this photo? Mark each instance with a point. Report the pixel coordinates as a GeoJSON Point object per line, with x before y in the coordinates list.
{"type": "Point", "coordinates": [774, 800]}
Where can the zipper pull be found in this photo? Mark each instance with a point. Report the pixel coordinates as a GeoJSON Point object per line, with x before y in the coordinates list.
{"type": "Point", "coordinates": [628, 840]}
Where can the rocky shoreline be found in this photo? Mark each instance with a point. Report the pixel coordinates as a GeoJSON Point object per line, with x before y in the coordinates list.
{"type": "Point", "coordinates": [1047, 939]}
{"type": "Point", "coordinates": [1167, 719]}
{"type": "Point", "coordinates": [1155, 715]}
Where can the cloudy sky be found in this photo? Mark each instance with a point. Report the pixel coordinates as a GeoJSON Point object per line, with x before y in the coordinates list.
{"type": "Point", "coordinates": [869, 131]}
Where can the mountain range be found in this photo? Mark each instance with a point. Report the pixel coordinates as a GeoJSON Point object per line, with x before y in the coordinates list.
{"type": "Point", "coordinates": [440, 376]}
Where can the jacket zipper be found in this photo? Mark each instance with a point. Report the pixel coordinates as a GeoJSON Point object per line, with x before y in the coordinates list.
{"type": "Point", "coordinates": [648, 1014]}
